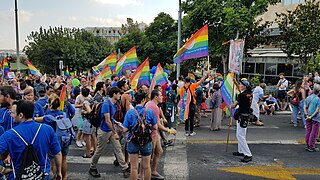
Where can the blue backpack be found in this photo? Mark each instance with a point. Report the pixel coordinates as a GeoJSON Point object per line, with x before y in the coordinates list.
{"type": "Point", "coordinates": [64, 130]}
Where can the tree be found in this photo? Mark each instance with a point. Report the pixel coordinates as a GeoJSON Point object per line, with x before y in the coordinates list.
{"type": "Point", "coordinates": [225, 19]}
{"type": "Point", "coordinates": [130, 27]}
{"type": "Point", "coordinates": [77, 48]}
{"type": "Point", "coordinates": [301, 31]}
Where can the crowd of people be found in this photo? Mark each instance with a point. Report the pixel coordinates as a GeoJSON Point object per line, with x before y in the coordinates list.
{"type": "Point", "coordinates": [135, 121]}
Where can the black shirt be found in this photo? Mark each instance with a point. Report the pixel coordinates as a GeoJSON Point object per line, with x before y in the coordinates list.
{"type": "Point", "coordinates": [244, 100]}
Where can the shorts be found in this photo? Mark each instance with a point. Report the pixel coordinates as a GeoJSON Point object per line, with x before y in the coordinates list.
{"type": "Point", "coordinates": [80, 123]}
{"type": "Point", "coordinates": [64, 152]}
{"type": "Point", "coordinates": [87, 128]}
{"type": "Point", "coordinates": [282, 94]}
{"type": "Point", "coordinates": [145, 150]}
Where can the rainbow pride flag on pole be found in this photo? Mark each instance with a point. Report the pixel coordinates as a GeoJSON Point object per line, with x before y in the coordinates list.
{"type": "Point", "coordinates": [141, 76]}
{"type": "Point", "coordinates": [192, 77]}
{"type": "Point", "coordinates": [226, 91]}
{"type": "Point", "coordinates": [63, 95]}
{"type": "Point", "coordinates": [111, 61]}
{"type": "Point", "coordinates": [33, 70]}
{"type": "Point", "coordinates": [159, 77]}
{"type": "Point", "coordinates": [218, 77]}
{"type": "Point", "coordinates": [67, 73]}
{"type": "Point", "coordinates": [128, 61]}
{"type": "Point", "coordinates": [103, 75]}
{"type": "Point", "coordinates": [5, 67]}
{"type": "Point", "coordinates": [195, 47]}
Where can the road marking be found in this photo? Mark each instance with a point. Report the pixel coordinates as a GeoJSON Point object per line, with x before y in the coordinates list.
{"type": "Point", "coordinates": [272, 172]}
{"type": "Point", "coordinates": [81, 160]}
{"type": "Point", "coordinates": [288, 142]}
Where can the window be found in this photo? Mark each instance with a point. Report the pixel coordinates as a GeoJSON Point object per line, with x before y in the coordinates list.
{"type": "Point", "coordinates": [297, 70]}
{"type": "Point", "coordinates": [291, 2]}
{"type": "Point", "coordinates": [260, 68]}
{"type": "Point", "coordinates": [97, 31]}
{"type": "Point", "coordinates": [285, 68]}
{"type": "Point", "coordinates": [249, 68]}
{"type": "Point", "coordinates": [271, 69]}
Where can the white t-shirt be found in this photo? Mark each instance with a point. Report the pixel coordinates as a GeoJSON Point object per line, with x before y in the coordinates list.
{"type": "Point", "coordinates": [257, 93]}
{"type": "Point", "coordinates": [285, 84]}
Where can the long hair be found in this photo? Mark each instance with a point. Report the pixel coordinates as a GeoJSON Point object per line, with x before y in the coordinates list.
{"type": "Point", "coordinates": [298, 85]}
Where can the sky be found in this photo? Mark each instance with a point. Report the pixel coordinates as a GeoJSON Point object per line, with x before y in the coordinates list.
{"type": "Point", "coordinates": [75, 13]}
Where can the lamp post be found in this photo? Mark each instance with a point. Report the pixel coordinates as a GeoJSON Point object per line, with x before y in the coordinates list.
{"type": "Point", "coordinates": [17, 36]}
{"type": "Point", "coordinates": [179, 37]}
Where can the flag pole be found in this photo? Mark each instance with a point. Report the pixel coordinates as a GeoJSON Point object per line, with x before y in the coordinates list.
{"type": "Point", "coordinates": [230, 119]}
{"type": "Point", "coordinates": [208, 63]}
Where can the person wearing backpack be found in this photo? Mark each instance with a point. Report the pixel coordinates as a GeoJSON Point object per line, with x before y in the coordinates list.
{"type": "Point", "coordinates": [106, 133]}
{"type": "Point", "coordinates": [29, 144]}
{"type": "Point", "coordinates": [133, 121]}
{"type": "Point", "coordinates": [298, 96]}
{"type": "Point", "coordinates": [171, 105]}
{"type": "Point", "coordinates": [63, 128]}
{"type": "Point", "coordinates": [7, 97]}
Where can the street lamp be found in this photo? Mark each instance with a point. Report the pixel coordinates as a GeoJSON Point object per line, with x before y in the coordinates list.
{"type": "Point", "coordinates": [17, 36]}
{"type": "Point", "coordinates": [179, 37]}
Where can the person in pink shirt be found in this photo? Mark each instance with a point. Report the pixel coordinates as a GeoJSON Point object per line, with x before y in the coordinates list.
{"type": "Point", "coordinates": [156, 98]}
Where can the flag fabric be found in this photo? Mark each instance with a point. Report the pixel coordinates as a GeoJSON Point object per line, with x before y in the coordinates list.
{"type": "Point", "coordinates": [5, 67]}
{"type": "Point", "coordinates": [104, 74]}
{"type": "Point", "coordinates": [158, 78]}
{"type": "Point", "coordinates": [128, 61]}
{"type": "Point", "coordinates": [219, 77]}
{"type": "Point", "coordinates": [192, 77]}
{"type": "Point", "coordinates": [226, 91]}
{"type": "Point", "coordinates": [63, 95]}
{"type": "Point", "coordinates": [67, 74]}
{"type": "Point", "coordinates": [111, 61]}
{"type": "Point", "coordinates": [141, 76]}
{"type": "Point", "coordinates": [33, 70]}
{"type": "Point", "coordinates": [195, 47]}
{"type": "Point", "coordinates": [236, 55]}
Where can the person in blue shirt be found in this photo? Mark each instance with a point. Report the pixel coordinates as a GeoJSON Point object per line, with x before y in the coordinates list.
{"type": "Point", "coordinates": [54, 104]}
{"type": "Point", "coordinates": [7, 97]}
{"type": "Point", "coordinates": [107, 133]}
{"type": "Point", "coordinates": [29, 96]}
{"type": "Point", "coordinates": [45, 141]}
{"type": "Point", "coordinates": [130, 120]}
{"type": "Point", "coordinates": [3, 170]}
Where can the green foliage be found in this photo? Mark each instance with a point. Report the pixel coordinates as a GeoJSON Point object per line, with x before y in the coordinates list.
{"type": "Point", "coordinates": [301, 31]}
{"type": "Point", "coordinates": [130, 26]}
{"type": "Point", "coordinates": [78, 49]}
{"type": "Point", "coordinates": [255, 81]}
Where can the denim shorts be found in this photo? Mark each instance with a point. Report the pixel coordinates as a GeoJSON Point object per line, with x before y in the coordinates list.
{"type": "Point", "coordinates": [64, 152]}
{"type": "Point", "coordinates": [87, 128]}
{"type": "Point", "coordinates": [145, 150]}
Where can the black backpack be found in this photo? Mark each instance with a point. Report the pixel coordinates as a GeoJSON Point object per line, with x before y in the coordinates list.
{"type": "Point", "coordinates": [141, 132]}
{"type": "Point", "coordinates": [94, 116]}
{"type": "Point", "coordinates": [30, 168]}
{"type": "Point", "coordinates": [120, 112]}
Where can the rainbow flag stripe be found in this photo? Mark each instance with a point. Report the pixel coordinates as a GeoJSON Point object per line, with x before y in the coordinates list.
{"type": "Point", "coordinates": [195, 47]}
{"type": "Point", "coordinates": [6, 68]}
{"type": "Point", "coordinates": [159, 77]}
{"type": "Point", "coordinates": [63, 95]}
{"type": "Point", "coordinates": [128, 61]}
{"type": "Point", "coordinates": [111, 61]}
{"type": "Point", "coordinates": [141, 76]}
{"type": "Point", "coordinates": [219, 77]}
{"type": "Point", "coordinates": [226, 91]}
{"type": "Point", "coordinates": [67, 73]}
{"type": "Point", "coordinates": [33, 70]}
{"type": "Point", "coordinates": [103, 75]}
{"type": "Point", "coordinates": [192, 77]}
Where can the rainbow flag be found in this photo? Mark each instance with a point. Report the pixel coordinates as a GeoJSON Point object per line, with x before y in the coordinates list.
{"type": "Point", "coordinates": [5, 67]}
{"type": "Point", "coordinates": [111, 61]}
{"type": "Point", "coordinates": [159, 77]}
{"type": "Point", "coordinates": [226, 91]}
{"type": "Point", "coordinates": [141, 76]}
{"type": "Point", "coordinates": [192, 77]}
{"type": "Point", "coordinates": [63, 95]}
{"type": "Point", "coordinates": [67, 74]}
{"type": "Point", "coordinates": [128, 61]}
{"type": "Point", "coordinates": [33, 70]}
{"type": "Point", "coordinates": [103, 75]}
{"type": "Point", "coordinates": [195, 47]}
{"type": "Point", "coordinates": [219, 77]}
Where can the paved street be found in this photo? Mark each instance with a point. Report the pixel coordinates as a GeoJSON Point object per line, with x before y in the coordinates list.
{"type": "Point", "coordinates": [278, 153]}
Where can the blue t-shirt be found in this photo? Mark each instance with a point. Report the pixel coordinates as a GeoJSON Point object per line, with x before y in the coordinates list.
{"type": "Point", "coordinates": [313, 102]}
{"type": "Point", "coordinates": [1, 132]}
{"type": "Point", "coordinates": [38, 110]}
{"type": "Point", "coordinates": [110, 108]}
{"type": "Point", "coordinates": [6, 120]}
{"type": "Point", "coordinates": [131, 118]}
{"type": "Point", "coordinates": [45, 141]}
{"type": "Point", "coordinates": [69, 110]}
{"type": "Point", "coordinates": [49, 121]}
{"type": "Point", "coordinates": [43, 102]}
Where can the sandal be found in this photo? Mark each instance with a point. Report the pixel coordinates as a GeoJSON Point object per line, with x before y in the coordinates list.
{"type": "Point", "coordinates": [86, 156]}
{"type": "Point", "coordinates": [92, 152]}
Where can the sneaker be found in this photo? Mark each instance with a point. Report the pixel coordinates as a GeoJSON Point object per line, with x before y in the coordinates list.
{"type": "Point", "coordinates": [79, 144]}
{"type": "Point", "coordinates": [83, 143]}
{"type": "Point", "coordinates": [318, 139]}
{"type": "Point", "coordinates": [116, 163]}
{"type": "Point", "coordinates": [237, 154]}
{"type": "Point", "coordinates": [313, 149]}
{"type": "Point", "coordinates": [304, 126]}
{"type": "Point", "coordinates": [246, 159]}
{"type": "Point", "coordinates": [306, 148]}
{"type": "Point", "coordinates": [126, 172]}
{"type": "Point", "coordinates": [193, 133]}
{"type": "Point", "coordinates": [94, 173]}
{"type": "Point", "coordinates": [187, 134]}
{"type": "Point", "coordinates": [295, 125]}
{"type": "Point", "coordinates": [168, 143]}
{"type": "Point", "coordinates": [157, 176]}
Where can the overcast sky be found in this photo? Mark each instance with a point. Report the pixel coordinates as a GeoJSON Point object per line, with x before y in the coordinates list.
{"type": "Point", "coordinates": [75, 13]}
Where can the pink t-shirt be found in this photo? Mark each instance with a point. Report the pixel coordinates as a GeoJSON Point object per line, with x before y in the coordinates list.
{"type": "Point", "coordinates": [151, 105]}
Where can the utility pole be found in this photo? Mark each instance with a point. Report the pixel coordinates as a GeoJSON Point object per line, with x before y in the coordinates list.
{"type": "Point", "coordinates": [179, 36]}
{"type": "Point", "coordinates": [17, 36]}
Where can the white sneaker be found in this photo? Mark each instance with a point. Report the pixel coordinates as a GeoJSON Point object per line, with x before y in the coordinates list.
{"type": "Point", "coordinates": [83, 143]}
{"type": "Point", "coordinates": [193, 133]}
{"type": "Point", "coordinates": [79, 144]}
